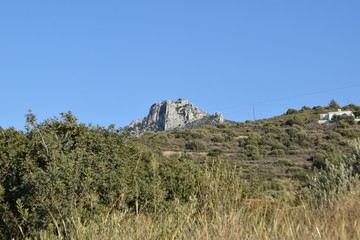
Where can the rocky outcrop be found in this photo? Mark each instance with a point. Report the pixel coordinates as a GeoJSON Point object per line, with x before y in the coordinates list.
{"type": "Point", "coordinates": [169, 115]}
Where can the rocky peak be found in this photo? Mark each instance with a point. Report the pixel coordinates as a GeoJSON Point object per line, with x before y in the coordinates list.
{"type": "Point", "coordinates": [169, 115]}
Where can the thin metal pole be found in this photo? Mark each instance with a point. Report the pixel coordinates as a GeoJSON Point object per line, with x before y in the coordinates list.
{"type": "Point", "coordinates": [254, 112]}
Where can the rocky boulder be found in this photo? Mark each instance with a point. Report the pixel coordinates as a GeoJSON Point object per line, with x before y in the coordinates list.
{"type": "Point", "coordinates": [169, 115]}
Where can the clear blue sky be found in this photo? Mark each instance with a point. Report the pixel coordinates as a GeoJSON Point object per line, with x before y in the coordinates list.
{"type": "Point", "coordinates": [109, 61]}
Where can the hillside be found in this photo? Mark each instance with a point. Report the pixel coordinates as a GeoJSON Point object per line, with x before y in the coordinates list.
{"type": "Point", "coordinates": [61, 179]}
{"type": "Point", "coordinates": [283, 146]}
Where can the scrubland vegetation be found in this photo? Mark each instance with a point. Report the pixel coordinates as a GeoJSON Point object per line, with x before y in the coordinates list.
{"type": "Point", "coordinates": [280, 178]}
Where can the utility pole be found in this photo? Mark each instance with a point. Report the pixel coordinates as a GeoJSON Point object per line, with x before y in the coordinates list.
{"type": "Point", "coordinates": [254, 112]}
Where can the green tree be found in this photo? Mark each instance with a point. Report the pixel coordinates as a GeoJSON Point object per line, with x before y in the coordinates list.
{"type": "Point", "coordinates": [60, 167]}
{"type": "Point", "coordinates": [333, 104]}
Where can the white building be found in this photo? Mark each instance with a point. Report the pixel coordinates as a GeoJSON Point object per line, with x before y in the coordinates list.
{"type": "Point", "coordinates": [326, 117]}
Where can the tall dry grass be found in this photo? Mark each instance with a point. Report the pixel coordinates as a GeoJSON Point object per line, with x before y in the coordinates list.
{"type": "Point", "coordinates": [255, 219]}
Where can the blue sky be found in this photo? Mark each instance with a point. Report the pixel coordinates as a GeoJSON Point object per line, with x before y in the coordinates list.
{"type": "Point", "coordinates": [109, 61]}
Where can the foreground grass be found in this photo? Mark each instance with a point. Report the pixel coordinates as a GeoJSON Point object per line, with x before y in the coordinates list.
{"type": "Point", "coordinates": [255, 219]}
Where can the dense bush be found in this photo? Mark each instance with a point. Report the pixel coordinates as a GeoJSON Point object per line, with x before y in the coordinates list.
{"type": "Point", "coordinates": [299, 119]}
{"type": "Point", "coordinates": [218, 138]}
{"type": "Point", "coordinates": [319, 109]}
{"type": "Point", "coordinates": [336, 177]}
{"type": "Point", "coordinates": [253, 152]}
{"type": "Point", "coordinates": [217, 152]}
{"type": "Point", "coordinates": [344, 121]}
{"type": "Point", "coordinates": [297, 134]}
{"type": "Point", "coordinates": [305, 109]}
{"type": "Point", "coordinates": [291, 111]}
{"type": "Point", "coordinates": [60, 168]}
{"type": "Point", "coordinates": [278, 152]}
{"type": "Point", "coordinates": [319, 160]}
{"type": "Point", "coordinates": [195, 145]}
{"type": "Point", "coordinates": [229, 135]}
{"type": "Point", "coordinates": [296, 119]}
{"type": "Point", "coordinates": [253, 139]}
{"type": "Point", "coordinates": [272, 128]}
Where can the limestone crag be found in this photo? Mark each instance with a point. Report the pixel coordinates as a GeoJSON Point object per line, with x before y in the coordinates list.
{"type": "Point", "coordinates": [169, 115]}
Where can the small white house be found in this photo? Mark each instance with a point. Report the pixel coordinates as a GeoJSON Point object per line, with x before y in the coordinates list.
{"type": "Point", "coordinates": [326, 117]}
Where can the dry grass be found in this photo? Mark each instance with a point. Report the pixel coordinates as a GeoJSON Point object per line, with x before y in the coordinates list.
{"type": "Point", "coordinates": [255, 219]}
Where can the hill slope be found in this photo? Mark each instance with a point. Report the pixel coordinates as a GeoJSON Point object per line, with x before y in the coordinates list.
{"type": "Point", "coordinates": [283, 146]}
{"type": "Point", "coordinates": [62, 179]}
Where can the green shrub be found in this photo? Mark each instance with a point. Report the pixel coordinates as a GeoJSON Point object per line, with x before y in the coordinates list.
{"type": "Point", "coordinates": [218, 139]}
{"type": "Point", "coordinates": [253, 139]}
{"type": "Point", "coordinates": [198, 133]}
{"type": "Point", "coordinates": [347, 132]}
{"type": "Point", "coordinates": [319, 160]}
{"type": "Point", "coordinates": [332, 182]}
{"type": "Point", "coordinates": [215, 152]}
{"type": "Point", "coordinates": [291, 111]}
{"type": "Point", "coordinates": [305, 109]}
{"type": "Point", "coordinates": [301, 176]}
{"type": "Point", "coordinates": [229, 135]}
{"type": "Point", "coordinates": [180, 177]}
{"type": "Point", "coordinates": [195, 145]}
{"type": "Point", "coordinates": [180, 133]}
{"type": "Point", "coordinates": [211, 129]}
{"type": "Point", "coordinates": [296, 119]}
{"type": "Point", "coordinates": [319, 109]}
{"type": "Point", "coordinates": [272, 128]}
{"type": "Point", "coordinates": [253, 152]}
{"type": "Point", "coordinates": [278, 152]}
{"type": "Point", "coordinates": [270, 139]}
{"type": "Point", "coordinates": [353, 157]}
{"type": "Point", "coordinates": [242, 142]}
{"type": "Point", "coordinates": [188, 134]}
{"type": "Point", "coordinates": [284, 162]}
{"type": "Point", "coordinates": [336, 178]}
{"type": "Point", "coordinates": [297, 134]}
{"type": "Point", "coordinates": [344, 121]}
{"type": "Point", "coordinates": [221, 125]}
{"type": "Point", "coordinates": [285, 139]}
{"type": "Point", "coordinates": [334, 135]}
{"type": "Point", "coordinates": [327, 147]}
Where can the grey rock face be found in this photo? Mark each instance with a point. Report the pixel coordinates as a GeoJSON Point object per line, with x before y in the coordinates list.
{"type": "Point", "coordinates": [169, 115]}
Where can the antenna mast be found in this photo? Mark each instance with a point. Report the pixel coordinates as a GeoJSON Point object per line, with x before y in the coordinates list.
{"type": "Point", "coordinates": [254, 112]}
